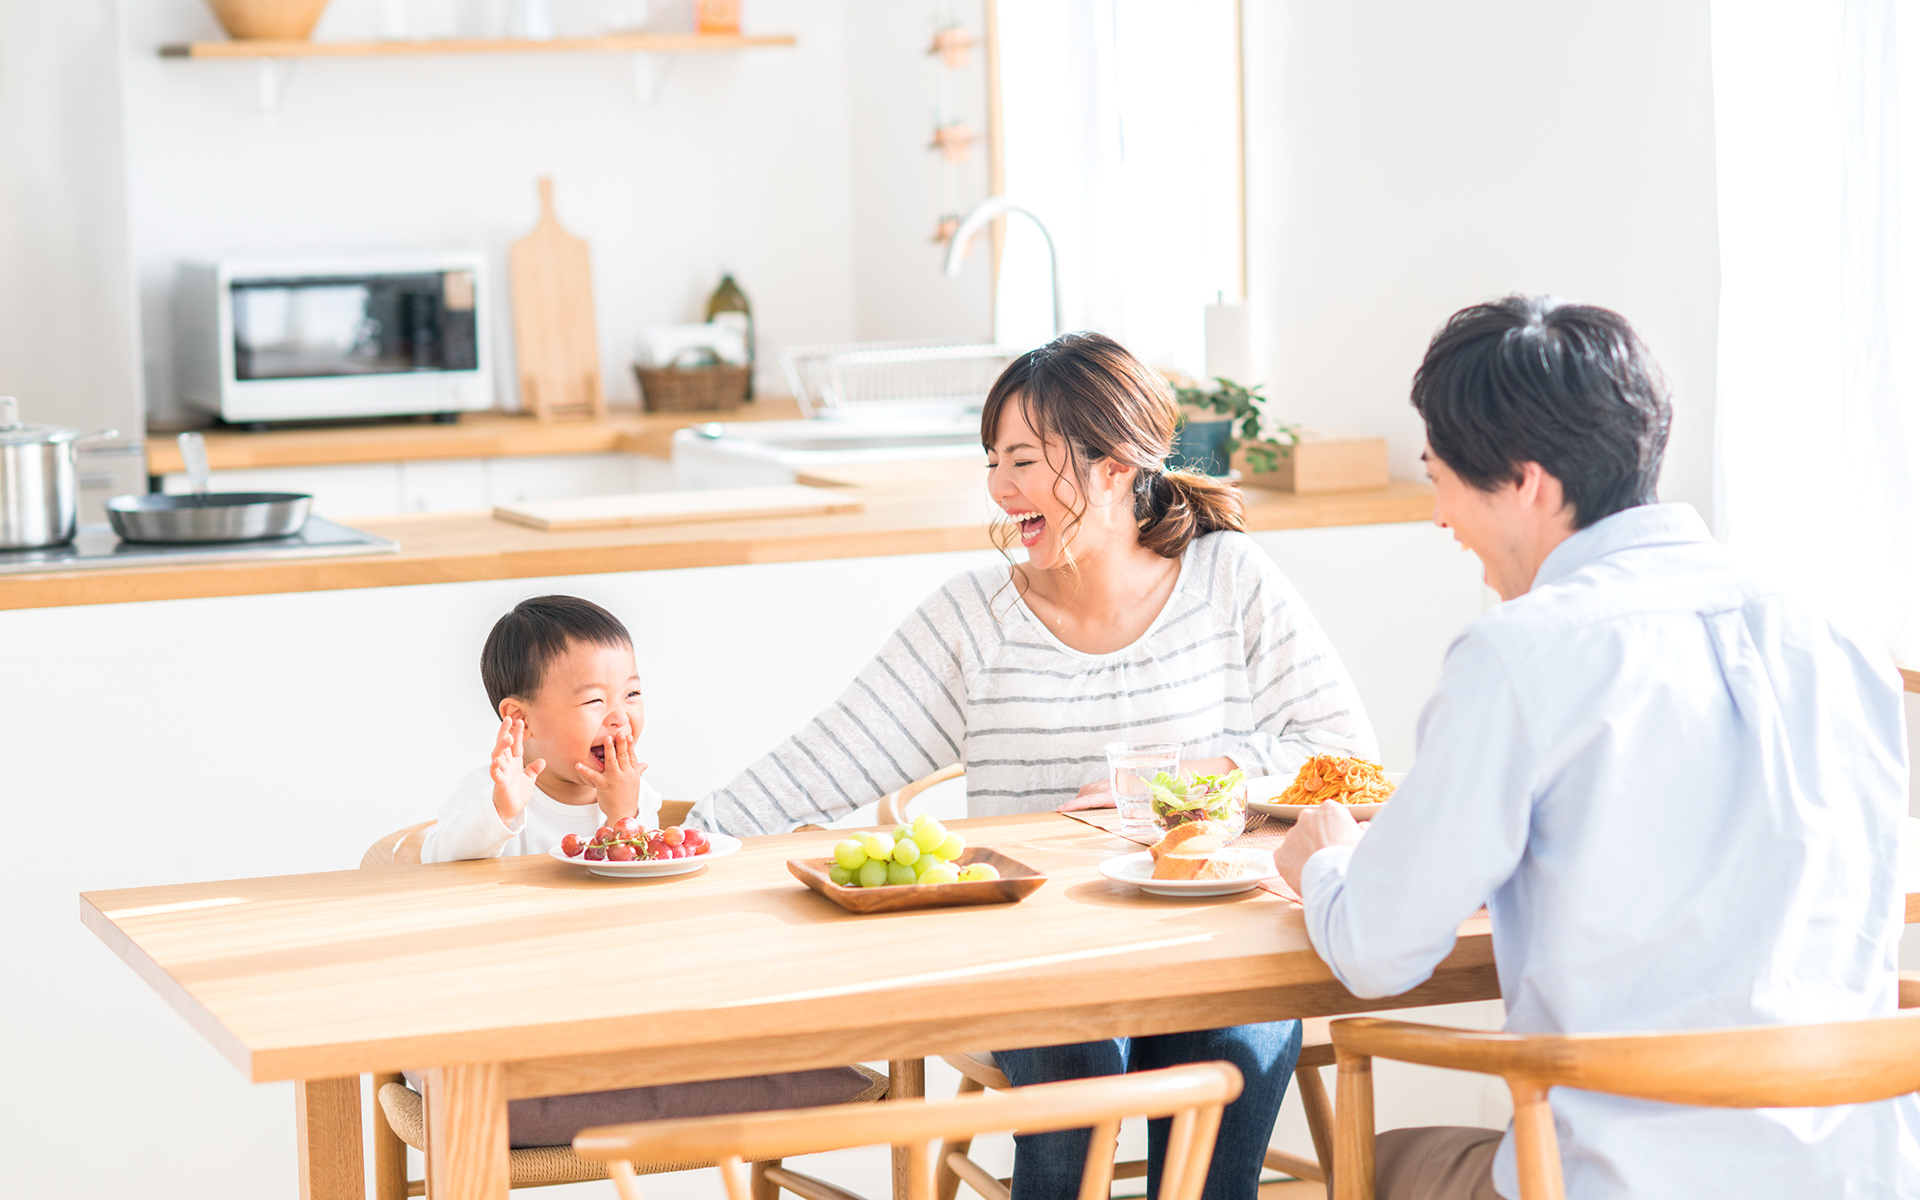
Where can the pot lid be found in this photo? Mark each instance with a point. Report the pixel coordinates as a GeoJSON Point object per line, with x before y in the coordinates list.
{"type": "Point", "coordinates": [13, 433]}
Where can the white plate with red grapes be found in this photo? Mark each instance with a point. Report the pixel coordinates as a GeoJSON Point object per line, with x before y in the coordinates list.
{"type": "Point", "coordinates": [628, 850]}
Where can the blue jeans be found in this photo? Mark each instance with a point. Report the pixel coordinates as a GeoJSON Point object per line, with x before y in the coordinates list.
{"type": "Point", "coordinates": [1047, 1166]}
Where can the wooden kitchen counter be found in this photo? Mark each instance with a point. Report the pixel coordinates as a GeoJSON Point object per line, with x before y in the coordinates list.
{"type": "Point", "coordinates": [946, 513]}
{"type": "Point", "coordinates": [474, 435]}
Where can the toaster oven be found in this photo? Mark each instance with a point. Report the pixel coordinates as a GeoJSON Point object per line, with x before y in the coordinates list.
{"type": "Point", "coordinates": [310, 339]}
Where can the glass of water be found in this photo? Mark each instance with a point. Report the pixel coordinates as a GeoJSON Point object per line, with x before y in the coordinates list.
{"type": "Point", "coordinates": [1129, 766]}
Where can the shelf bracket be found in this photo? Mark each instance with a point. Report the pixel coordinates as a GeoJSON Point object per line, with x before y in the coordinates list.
{"type": "Point", "coordinates": [273, 76]}
{"type": "Point", "coordinates": [650, 73]}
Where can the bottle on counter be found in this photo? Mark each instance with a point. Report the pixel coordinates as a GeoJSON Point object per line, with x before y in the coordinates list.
{"type": "Point", "coordinates": [717, 16]}
{"type": "Point", "coordinates": [728, 306]}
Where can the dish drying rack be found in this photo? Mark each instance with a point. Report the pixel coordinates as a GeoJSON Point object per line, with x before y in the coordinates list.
{"type": "Point", "coordinates": [861, 378]}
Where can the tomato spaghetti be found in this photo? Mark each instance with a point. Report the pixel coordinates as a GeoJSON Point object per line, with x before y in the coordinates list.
{"type": "Point", "coordinates": [1335, 777]}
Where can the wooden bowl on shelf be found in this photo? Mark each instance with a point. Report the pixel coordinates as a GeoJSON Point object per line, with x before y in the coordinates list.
{"type": "Point", "coordinates": [286, 20]}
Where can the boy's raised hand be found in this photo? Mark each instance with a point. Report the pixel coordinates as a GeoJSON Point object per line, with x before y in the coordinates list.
{"type": "Point", "coordinates": [617, 787]}
{"type": "Point", "coordinates": [513, 779]}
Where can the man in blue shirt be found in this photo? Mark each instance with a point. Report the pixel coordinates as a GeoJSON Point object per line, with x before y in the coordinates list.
{"type": "Point", "coordinates": [1678, 791]}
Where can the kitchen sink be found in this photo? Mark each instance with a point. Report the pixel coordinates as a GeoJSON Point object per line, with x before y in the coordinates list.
{"type": "Point", "coordinates": [875, 441]}
{"type": "Point", "coordinates": [760, 453]}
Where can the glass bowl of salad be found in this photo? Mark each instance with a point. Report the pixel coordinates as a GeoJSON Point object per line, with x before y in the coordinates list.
{"type": "Point", "coordinates": [1221, 798]}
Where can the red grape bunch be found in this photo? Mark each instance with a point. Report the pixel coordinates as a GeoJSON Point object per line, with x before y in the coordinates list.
{"type": "Point", "coordinates": [626, 840]}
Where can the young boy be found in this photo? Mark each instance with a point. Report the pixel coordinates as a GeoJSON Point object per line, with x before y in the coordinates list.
{"type": "Point", "coordinates": [560, 673]}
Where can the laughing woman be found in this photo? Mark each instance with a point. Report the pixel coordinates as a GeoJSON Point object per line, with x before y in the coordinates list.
{"type": "Point", "coordinates": [1141, 612]}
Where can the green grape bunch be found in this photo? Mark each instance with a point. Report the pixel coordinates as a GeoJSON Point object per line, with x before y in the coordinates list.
{"type": "Point", "coordinates": [920, 853]}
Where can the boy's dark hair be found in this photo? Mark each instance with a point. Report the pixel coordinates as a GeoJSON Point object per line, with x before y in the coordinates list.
{"type": "Point", "coordinates": [1535, 379]}
{"type": "Point", "coordinates": [527, 640]}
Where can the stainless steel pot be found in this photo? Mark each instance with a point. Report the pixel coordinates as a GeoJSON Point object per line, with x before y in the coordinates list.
{"type": "Point", "coordinates": [39, 504]}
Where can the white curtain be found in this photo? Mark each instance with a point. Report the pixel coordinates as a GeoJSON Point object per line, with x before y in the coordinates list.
{"type": "Point", "coordinates": [1818, 405]}
{"type": "Point", "coordinates": [1120, 134]}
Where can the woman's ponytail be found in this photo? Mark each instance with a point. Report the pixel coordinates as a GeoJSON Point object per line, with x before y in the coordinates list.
{"type": "Point", "coordinates": [1175, 507]}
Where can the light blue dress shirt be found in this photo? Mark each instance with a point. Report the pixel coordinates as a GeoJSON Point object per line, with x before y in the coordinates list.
{"type": "Point", "coordinates": [1681, 796]}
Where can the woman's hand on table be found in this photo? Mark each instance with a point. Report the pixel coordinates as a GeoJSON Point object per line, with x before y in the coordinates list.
{"type": "Point", "coordinates": [1325, 824]}
{"type": "Point", "coordinates": [1208, 766]}
{"type": "Point", "coordinates": [1098, 794]}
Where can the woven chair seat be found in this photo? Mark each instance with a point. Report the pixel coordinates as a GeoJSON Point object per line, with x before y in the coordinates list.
{"type": "Point", "coordinates": [406, 1114]}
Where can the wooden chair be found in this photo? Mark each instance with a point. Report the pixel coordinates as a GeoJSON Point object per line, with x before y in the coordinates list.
{"type": "Point", "coordinates": [1192, 1095]}
{"type": "Point", "coordinates": [893, 805]}
{"type": "Point", "coordinates": [400, 1119]}
{"type": "Point", "coordinates": [1776, 1066]}
{"type": "Point", "coordinates": [979, 1073]}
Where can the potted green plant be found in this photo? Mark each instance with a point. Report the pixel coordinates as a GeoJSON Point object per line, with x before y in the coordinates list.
{"type": "Point", "coordinates": [1209, 445]}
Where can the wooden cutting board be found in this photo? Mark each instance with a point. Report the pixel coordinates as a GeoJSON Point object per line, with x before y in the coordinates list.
{"type": "Point", "coordinates": [672, 508]}
{"type": "Point", "coordinates": [554, 342]}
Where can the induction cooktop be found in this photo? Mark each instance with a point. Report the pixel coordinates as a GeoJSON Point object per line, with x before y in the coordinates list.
{"type": "Point", "coordinates": [98, 546]}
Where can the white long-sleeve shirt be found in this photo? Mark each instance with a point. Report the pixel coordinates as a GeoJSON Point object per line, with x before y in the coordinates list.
{"type": "Point", "coordinates": [470, 827]}
{"type": "Point", "coordinates": [1681, 797]}
{"type": "Point", "coordinates": [1234, 665]}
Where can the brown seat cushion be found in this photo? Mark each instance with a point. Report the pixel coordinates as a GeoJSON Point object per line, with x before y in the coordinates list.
{"type": "Point", "coordinates": [553, 1120]}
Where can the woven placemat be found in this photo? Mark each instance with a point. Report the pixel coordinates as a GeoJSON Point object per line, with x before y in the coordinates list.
{"type": "Point", "coordinates": [1263, 833]}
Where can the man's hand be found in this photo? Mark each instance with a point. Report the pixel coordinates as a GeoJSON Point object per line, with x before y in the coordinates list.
{"type": "Point", "coordinates": [513, 779]}
{"type": "Point", "coordinates": [617, 789]}
{"type": "Point", "coordinates": [1325, 824]}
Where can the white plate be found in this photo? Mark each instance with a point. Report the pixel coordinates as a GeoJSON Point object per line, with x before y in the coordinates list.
{"type": "Point", "coordinates": [1137, 869]}
{"type": "Point", "coordinates": [641, 868]}
{"type": "Point", "coordinates": [1263, 788]}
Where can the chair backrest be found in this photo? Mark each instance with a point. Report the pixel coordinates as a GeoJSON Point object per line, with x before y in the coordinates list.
{"type": "Point", "coordinates": [1773, 1066]}
{"type": "Point", "coordinates": [398, 849]}
{"type": "Point", "coordinates": [893, 805]}
{"type": "Point", "coordinates": [673, 812]}
{"type": "Point", "coordinates": [1192, 1095]}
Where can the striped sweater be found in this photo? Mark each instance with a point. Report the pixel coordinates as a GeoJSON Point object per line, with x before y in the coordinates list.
{"type": "Point", "coordinates": [1234, 665]}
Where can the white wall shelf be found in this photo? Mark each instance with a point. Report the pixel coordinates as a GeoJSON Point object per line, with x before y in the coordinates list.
{"type": "Point", "coordinates": [275, 57]}
{"type": "Point", "coordinates": [628, 43]}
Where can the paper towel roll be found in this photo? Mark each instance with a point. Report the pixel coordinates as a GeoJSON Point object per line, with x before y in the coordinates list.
{"type": "Point", "coordinates": [1228, 349]}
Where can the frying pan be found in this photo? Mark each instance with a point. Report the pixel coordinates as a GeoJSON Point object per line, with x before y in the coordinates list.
{"type": "Point", "coordinates": [203, 516]}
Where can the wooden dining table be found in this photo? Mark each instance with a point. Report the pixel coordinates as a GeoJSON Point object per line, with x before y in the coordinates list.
{"type": "Point", "coordinates": [518, 977]}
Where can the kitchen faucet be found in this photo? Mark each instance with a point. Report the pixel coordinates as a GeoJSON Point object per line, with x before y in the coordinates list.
{"type": "Point", "coordinates": [987, 210]}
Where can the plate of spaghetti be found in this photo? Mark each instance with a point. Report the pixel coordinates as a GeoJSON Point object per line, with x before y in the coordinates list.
{"type": "Point", "coordinates": [1360, 785]}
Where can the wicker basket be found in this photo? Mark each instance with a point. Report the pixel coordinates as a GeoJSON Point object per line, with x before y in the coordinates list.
{"type": "Point", "coordinates": [718, 388]}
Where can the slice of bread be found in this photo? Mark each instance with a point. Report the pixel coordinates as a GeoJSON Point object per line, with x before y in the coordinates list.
{"type": "Point", "coordinates": [1180, 864]}
{"type": "Point", "coordinates": [1195, 837]}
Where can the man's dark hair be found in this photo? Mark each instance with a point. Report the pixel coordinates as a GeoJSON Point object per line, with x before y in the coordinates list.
{"type": "Point", "coordinates": [1534, 379]}
{"type": "Point", "coordinates": [525, 642]}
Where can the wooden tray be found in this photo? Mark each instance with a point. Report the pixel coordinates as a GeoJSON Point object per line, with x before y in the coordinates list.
{"type": "Point", "coordinates": [1017, 881]}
